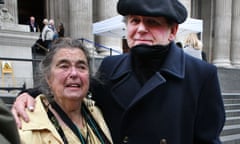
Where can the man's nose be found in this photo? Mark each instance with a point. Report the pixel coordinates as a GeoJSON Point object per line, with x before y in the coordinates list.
{"type": "Point", "coordinates": [142, 27]}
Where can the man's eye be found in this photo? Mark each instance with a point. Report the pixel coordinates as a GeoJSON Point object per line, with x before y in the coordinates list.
{"type": "Point", "coordinates": [153, 22]}
{"type": "Point", "coordinates": [134, 21]}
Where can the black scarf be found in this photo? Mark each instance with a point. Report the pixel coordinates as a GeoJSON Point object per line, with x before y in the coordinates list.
{"type": "Point", "coordinates": [147, 60]}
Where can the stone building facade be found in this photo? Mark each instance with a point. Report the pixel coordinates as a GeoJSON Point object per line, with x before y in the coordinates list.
{"type": "Point", "coordinates": [220, 35]}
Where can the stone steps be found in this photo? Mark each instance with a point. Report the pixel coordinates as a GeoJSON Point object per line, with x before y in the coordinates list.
{"type": "Point", "coordinates": [231, 139]}
{"type": "Point", "coordinates": [232, 120]}
{"type": "Point", "coordinates": [231, 129]}
{"type": "Point", "coordinates": [232, 106]}
{"type": "Point", "coordinates": [231, 101]}
{"type": "Point", "coordinates": [232, 112]}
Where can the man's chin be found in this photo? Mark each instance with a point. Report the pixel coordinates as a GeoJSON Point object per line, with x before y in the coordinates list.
{"type": "Point", "coordinates": [143, 43]}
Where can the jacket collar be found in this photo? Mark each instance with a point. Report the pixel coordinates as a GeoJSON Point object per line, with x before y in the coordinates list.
{"type": "Point", "coordinates": [45, 123]}
{"type": "Point", "coordinates": [42, 124]}
{"type": "Point", "coordinates": [174, 64]}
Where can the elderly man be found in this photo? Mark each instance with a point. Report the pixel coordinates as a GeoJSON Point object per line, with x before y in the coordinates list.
{"type": "Point", "coordinates": [33, 26]}
{"type": "Point", "coordinates": [156, 93]}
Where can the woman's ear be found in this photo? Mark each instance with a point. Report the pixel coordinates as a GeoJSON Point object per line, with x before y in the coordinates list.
{"type": "Point", "coordinates": [47, 80]}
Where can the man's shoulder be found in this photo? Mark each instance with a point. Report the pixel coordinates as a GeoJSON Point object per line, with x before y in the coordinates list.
{"type": "Point", "coordinates": [114, 60]}
{"type": "Point", "coordinates": [115, 57]}
{"type": "Point", "coordinates": [111, 63]}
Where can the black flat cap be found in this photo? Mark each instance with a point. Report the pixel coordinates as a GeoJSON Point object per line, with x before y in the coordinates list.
{"type": "Point", "coordinates": [171, 9]}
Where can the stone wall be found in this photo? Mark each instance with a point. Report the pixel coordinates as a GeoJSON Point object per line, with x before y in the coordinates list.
{"type": "Point", "coordinates": [229, 80]}
{"type": "Point", "coordinates": [16, 45]}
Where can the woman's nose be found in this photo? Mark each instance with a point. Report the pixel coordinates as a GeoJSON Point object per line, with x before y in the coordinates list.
{"type": "Point", "coordinates": [73, 72]}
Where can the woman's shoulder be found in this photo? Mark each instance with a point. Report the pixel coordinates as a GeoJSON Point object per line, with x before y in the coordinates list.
{"type": "Point", "coordinates": [98, 117]}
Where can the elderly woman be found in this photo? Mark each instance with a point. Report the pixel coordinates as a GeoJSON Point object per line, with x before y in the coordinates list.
{"type": "Point", "coordinates": [63, 114]}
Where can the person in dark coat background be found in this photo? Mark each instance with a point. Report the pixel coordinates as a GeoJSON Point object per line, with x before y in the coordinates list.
{"type": "Point", "coordinates": [60, 30]}
{"type": "Point", "coordinates": [155, 93]}
{"type": "Point", "coordinates": [8, 132]}
{"type": "Point", "coordinates": [33, 26]}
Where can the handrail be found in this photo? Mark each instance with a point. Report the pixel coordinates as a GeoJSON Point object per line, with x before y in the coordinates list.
{"type": "Point", "coordinates": [23, 87]}
{"type": "Point", "coordinates": [19, 59]}
{"type": "Point", "coordinates": [99, 45]}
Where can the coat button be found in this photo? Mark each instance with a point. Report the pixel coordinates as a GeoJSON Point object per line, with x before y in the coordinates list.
{"type": "Point", "coordinates": [125, 139]}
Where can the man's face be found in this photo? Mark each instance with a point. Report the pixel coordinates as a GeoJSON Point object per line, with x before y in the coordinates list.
{"type": "Point", "coordinates": [32, 19]}
{"type": "Point", "coordinates": [149, 30]}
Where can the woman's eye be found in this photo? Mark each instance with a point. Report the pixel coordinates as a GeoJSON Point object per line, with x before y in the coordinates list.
{"type": "Point", "coordinates": [82, 67]}
{"type": "Point", "coordinates": [64, 66]}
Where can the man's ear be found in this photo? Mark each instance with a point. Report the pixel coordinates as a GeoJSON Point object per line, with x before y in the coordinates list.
{"type": "Point", "coordinates": [174, 29]}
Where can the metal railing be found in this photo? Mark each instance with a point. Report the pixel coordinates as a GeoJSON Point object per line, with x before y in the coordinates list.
{"type": "Point", "coordinates": [97, 45]}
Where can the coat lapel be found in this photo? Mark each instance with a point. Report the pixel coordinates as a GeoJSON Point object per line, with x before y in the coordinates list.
{"type": "Point", "coordinates": [127, 86]}
{"type": "Point", "coordinates": [151, 84]}
{"type": "Point", "coordinates": [125, 91]}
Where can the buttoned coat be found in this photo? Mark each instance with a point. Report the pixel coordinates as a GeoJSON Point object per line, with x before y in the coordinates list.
{"type": "Point", "coordinates": [179, 104]}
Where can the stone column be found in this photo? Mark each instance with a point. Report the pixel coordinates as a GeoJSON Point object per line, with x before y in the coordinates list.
{"type": "Point", "coordinates": [222, 35]}
{"type": "Point", "coordinates": [64, 15]}
{"type": "Point", "coordinates": [107, 9]}
{"type": "Point", "coordinates": [207, 14]}
{"type": "Point", "coordinates": [52, 9]}
{"type": "Point", "coordinates": [235, 49]}
{"type": "Point", "coordinates": [59, 11]}
{"type": "Point", "coordinates": [81, 19]}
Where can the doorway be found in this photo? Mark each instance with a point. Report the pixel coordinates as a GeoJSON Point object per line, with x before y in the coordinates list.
{"type": "Point", "coordinates": [27, 8]}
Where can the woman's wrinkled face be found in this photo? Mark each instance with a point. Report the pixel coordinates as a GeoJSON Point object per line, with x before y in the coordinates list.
{"type": "Point", "coordinates": [69, 75]}
{"type": "Point", "coordinates": [149, 30]}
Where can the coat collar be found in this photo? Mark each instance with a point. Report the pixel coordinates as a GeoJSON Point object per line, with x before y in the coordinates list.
{"type": "Point", "coordinates": [39, 125]}
{"type": "Point", "coordinates": [173, 65]}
